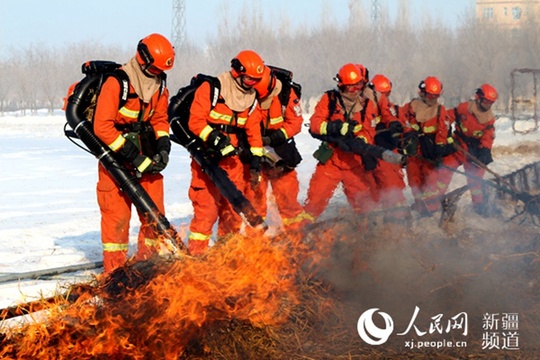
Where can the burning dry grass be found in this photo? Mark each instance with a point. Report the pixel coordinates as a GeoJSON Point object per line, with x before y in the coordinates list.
{"type": "Point", "coordinates": [299, 297]}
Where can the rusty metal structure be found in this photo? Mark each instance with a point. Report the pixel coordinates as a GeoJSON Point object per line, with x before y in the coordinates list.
{"type": "Point", "coordinates": [523, 105]}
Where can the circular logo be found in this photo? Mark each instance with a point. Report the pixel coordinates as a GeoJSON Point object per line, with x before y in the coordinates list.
{"type": "Point", "coordinates": [369, 332]}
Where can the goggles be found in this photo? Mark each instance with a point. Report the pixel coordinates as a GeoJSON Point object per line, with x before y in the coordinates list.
{"type": "Point", "coordinates": [250, 81]}
{"type": "Point", "coordinates": [355, 87]}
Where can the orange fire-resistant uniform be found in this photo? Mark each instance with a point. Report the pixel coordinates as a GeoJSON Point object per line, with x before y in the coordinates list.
{"type": "Point", "coordinates": [208, 203]}
{"type": "Point", "coordinates": [427, 179]}
{"type": "Point", "coordinates": [288, 119]}
{"type": "Point", "coordinates": [474, 130]}
{"type": "Point", "coordinates": [115, 206]}
{"type": "Point", "coordinates": [389, 178]}
{"type": "Point", "coordinates": [342, 167]}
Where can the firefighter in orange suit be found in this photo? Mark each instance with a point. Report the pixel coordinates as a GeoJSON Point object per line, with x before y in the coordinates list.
{"type": "Point", "coordinates": [389, 178]}
{"type": "Point", "coordinates": [427, 140]}
{"type": "Point", "coordinates": [280, 123]}
{"type": "Point", "coordinates": [218, 128]}
{"type": "Point", "coordinates": [475, 133]}
{"type": "Point", "coordinates": [139, 133]}
{"type": "Point", "coordinates": [349, 111]}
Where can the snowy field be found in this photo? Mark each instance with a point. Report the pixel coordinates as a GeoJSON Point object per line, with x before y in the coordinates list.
{"type": "Point", "coordinates": [49, 216]}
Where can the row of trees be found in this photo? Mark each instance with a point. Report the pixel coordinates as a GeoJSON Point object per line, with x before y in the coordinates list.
{"type": "Point", "coordinates": [463, 56]}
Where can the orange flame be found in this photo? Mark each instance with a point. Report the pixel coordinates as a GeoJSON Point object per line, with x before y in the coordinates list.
{"type": "Point", "coordinates": [251, 280]}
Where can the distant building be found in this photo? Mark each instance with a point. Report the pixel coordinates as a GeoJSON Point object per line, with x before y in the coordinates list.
{"type": "Point", "coordinates": [511, 14]}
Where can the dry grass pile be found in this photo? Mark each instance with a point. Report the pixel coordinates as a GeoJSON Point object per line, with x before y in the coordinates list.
{"type": "Point", "coordinates": [300, 297]}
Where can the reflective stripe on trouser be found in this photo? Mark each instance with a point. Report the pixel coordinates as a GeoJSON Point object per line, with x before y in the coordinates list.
{"type": "Point", "coordinates": [115, 208]}
{"type": "Point", "coordinates": [326, 178]}
{"type": "Point", "coordinates": [285, 189]}
{"type": "Point", "coordinates": [209, 204]}
{"type": "Point", "coordinates": [298, 221]}
{"type": "Point", "coordinates": [428, 183]}
{"type": "Point", "coordinates": [198, 243]}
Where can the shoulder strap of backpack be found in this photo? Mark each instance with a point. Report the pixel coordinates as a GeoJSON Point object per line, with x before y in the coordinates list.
{"type": "Point", "coordinates": [457, 117]}
{"type": "Point", "coordinates": [332, 101]}
{"type": "Point", "coordinates": [285, 77]}
{"type": "Point", "coordinates": [123, 80]}
{"type": "Point", "coordinates": [215, 86]}
{"type": "Point", "coordinates": [163, 83]}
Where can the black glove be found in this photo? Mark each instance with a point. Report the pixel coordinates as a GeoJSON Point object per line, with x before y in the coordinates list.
{"type": "Point", "coordinates": [428, 147]}
{"type": "Point", "coordinates": [445, 150]}
{"type": "Point", "coordinates": [276, 137]}
{"type": "Point", "coordinates": [143, 164]}
{"type": "Point", "coordinates": [395, 127]}
{"type": "Point", "coordinates": [484, 155]}
{"type": "Point", "coordinates": [220, 143]}
{"type": "Point", "coordinates": [370, 162]}
{"type": "Point", "coordinates": [409, 143]}
{"type": "Point", "coordinates": [163, 149]}
{"type": "Point", "coordinates": [255, 171]}
{"type": "Point", "coordinates": [129, 151]}
{"type": "Point", "coordinates": [383, 137]}
{"type": "Point", "coordinates": [472, 142]}
{"type": "Point", "coordinates": [339, 128]}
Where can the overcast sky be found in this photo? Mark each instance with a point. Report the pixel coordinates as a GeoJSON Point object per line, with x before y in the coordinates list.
{"type": "Point", "coordinates": [125, 22]}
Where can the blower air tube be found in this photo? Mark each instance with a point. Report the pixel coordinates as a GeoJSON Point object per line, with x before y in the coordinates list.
{"type": "Point", "coordinates": [124, 178]}
{"type": "Point", "coordinates": [219, 177]}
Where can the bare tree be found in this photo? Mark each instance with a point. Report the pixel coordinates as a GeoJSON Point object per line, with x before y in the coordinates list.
{"type": "Point", "coordinates": [463, 55]}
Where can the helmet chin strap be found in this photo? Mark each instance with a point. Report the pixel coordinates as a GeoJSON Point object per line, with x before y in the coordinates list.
{"type": "Point", "coordinates": [145, 71]}
{"type": "Point", "coordinates": [149, 74]}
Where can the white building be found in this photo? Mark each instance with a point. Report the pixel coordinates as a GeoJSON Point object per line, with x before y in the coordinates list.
{"type": "Point", "coordinates": [512, 14]}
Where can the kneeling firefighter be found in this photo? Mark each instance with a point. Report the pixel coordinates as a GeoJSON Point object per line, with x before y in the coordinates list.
{"type": "Point", "coordinates": [138, 132]}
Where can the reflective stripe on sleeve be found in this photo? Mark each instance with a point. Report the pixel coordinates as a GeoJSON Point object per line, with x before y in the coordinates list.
{"type": "Point", "coordinates": [205, 132]}
{"type": "Point", "coordinates": [118, 143]}
{"type": "Point", "coordinates": [133, 114]}
{"type": "Point", "coordinates": [219, 116]}
{"type": "Point", "coordinates": [257, 151]}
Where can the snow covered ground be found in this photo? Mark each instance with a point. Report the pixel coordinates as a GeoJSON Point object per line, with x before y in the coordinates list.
{"type": "Point", "coordinates": [49, 216]}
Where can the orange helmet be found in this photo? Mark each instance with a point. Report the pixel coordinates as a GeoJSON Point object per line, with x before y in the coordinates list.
{"type": "Point", "coordinates": [155, 50]}
{"type": "Point", "coordinates": [249, 63]}
{"type": "Point", "coordinates": [350, 74]}
{"type": "Point", "coordinates": [431, 85]}
{"type": "Point", "coordinates": [381, 84]}
{"type": "Point", "coordinates": [487, 92]}
{"type": "Point", "coordinates": [267, 83]}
